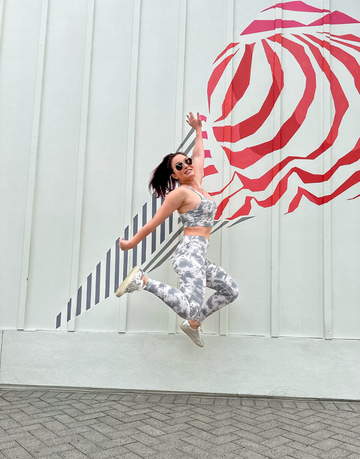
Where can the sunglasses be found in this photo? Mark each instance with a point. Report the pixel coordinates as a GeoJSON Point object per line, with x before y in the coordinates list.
{"type": "Point", "coordinates": [179, 166]}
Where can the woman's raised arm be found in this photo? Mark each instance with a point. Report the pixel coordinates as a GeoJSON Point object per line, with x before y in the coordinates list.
{"type": "Point", "coordinates": [198, 151]}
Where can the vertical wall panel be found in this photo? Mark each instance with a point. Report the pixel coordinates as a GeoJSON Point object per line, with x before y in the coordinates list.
{"type": "Point", "coordinates": [130, 148]}
{"type": "Point", "coordinates": [32, 168]}
{"type": "Point", "coordinates": [345, 270]}
{"type": "Point", "coordinates": [56, 174]}
{"type": "Point", "coordinates": [105, 172]}
{"type": "Point", "coordinates": [20, 29]}
{"type": "Point", "coordinates": [155, 133]}
{"type": "Point", "coordinates": [301, 233]}
{"type": "Point", "coordinates": [249, 239]}
{"type": "Point", "coordinates": [345, 217]}
{"type": "Point", "coordinates": [213, 21]}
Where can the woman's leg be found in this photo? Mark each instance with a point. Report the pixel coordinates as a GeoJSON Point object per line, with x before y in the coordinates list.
{"type": "Point", "coordinates": [190, 264]}
{"type": "Point", "coordinates": [226, 290]}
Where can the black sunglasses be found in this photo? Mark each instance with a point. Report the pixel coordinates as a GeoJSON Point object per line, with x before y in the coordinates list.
{"type": "Point", "coordinates": [180, 164]}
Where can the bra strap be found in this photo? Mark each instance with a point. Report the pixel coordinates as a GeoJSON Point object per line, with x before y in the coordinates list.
{"type": "Point", "coordinates": [197, 192]}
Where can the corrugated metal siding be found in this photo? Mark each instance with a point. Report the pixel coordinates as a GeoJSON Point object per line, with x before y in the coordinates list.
{"type": "Point", "coordinates": [94, 93]}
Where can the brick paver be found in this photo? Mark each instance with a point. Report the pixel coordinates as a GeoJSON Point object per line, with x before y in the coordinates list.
{"type": "Point", "coordinates": [69, 424]}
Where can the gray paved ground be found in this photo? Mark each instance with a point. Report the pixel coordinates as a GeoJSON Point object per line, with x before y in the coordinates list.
{"type": "Point", "coordinates": [68, 424]}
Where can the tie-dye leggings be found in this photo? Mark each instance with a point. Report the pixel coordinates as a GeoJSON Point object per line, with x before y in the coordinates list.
{"type": "Point", "coordinates": [195, 273]}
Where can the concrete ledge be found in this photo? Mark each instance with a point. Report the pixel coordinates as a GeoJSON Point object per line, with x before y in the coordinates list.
{"type": "Point", "coordinates": [227, 365]}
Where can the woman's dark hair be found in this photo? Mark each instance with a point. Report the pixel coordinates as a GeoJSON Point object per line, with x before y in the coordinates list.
{"type": "Point", "coordinates": [162, 181]}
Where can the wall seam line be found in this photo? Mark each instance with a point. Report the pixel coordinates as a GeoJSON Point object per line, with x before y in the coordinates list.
{"type": "Point", "coordinates": [130, 150]}
{"type": "Point", "coordinates": [80, 173]}
{"type": "Point", "coordinates": [226, 172]}
{"type": "Point", "coordinates": [179, 120]}
{"type": "Point", "coordinates": [35, 133]}
{"type": "Point", "coordinates": [275, 217]}
{"type": "Point", "coordinates": [327, 254]}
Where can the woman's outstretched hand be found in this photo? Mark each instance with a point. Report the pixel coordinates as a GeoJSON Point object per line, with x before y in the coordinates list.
{"type": "Point", "coordinates": [195, 123]}
{"type": "Point", "coordinates": [125, 245]}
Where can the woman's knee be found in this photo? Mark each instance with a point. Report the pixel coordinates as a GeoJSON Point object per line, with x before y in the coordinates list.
{"type": "Point", "coordinates": [233, 292]}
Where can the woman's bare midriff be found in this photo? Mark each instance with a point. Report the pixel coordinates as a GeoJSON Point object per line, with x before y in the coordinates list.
{"type": "Point", "coordinates": [198, 231]}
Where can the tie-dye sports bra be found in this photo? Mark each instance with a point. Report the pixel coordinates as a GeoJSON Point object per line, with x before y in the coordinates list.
{"type": "Point", "coordinates": [202, 215]}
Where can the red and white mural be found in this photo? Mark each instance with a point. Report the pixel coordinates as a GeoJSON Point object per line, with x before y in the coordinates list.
{"type": "Point", "coordinates": [284, 104]}
{"type": "Point", "coordinates": [268, 96]}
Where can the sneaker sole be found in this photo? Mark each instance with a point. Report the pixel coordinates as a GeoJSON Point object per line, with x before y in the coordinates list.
{"type": "Point", "coordinates": [185, 330]}
{"type": "Point", "coordinates": [121, 290]}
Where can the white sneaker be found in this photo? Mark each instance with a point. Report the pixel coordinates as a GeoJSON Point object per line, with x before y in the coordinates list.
{"type": "Point", "coordinates": [192, 333]}
{"type": "Point", "coordinates": [132, 283]}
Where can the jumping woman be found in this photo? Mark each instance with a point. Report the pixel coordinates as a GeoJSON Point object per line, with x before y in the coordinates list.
{"type": "Point", "coordinates": [197, 210]}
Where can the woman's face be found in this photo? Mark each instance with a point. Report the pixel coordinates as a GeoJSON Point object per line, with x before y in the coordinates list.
{"type": "Point", "coordinates": [186, 171]}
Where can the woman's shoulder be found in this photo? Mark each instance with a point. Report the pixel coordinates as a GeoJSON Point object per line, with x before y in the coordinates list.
{"type": "Point", "coordinates": [179, 194]}
{"type": "Point", "coordinates": [179, 191]}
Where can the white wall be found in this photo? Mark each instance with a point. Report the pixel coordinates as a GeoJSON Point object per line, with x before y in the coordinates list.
{"type": "Point", "coordinates": [94, 93]}
{"type": "Point", "coordinates": [282, 367]}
